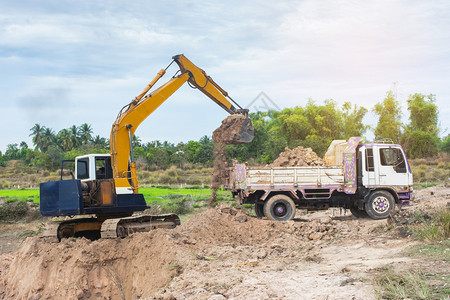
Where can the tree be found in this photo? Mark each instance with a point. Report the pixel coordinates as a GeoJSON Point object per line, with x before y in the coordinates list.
{"type": "Point", "coordinates": [85, 132]}
{"type": "Point", "coordinates": [100, 142]}
{"type": "Point", "coordinates": [204, 154]}
{"type": "Point", "coordinates": [389, 113]}
{"type": "Point", "coordinates": [423, 112]}
{"type": "Point", "coordinates": [445, 145]}
{"type": "Point", "coordinates": [421, 135]}
{"type": "Point", "coordinates": [12, 152]}
{"type": "Point", "coordinates": [136, 141]}
{"type": "Point", "coordinates": [48, 138]}
{"type": "Point", "coordinates": [23, 145]}
{"type": "Point", "coordinates": [353, 120]}
{"type": "Point", "coordinates": [64, 140]}
{"type": "Point", "coordinates": [37, 131]}
{"type": "Point", "coordinates": [74, 135]}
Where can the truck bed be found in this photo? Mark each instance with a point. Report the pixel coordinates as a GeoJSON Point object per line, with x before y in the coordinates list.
{"type": "Point", "coordinates": [295, 177]}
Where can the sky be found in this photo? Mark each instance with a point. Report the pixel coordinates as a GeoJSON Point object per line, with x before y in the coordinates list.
{"type": "Point", "coordinates": [65, 63]}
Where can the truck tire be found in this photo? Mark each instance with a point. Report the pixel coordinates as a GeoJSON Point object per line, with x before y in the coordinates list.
{"type": "Point", "coordinates": [357, 212]}
{"type": "Point", "coordinates": [259, 210]}
{"type": "Point", "coordinates": [380, 205]}
{"type": "Point", "coordinates": [279, 208]}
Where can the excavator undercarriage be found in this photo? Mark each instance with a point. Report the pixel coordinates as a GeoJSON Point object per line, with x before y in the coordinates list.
{"type": "Point", "coordinates": [95, 228]}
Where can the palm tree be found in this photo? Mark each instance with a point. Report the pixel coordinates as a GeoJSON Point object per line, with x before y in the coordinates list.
{"type": "Point", "coordinates": [48, 138]}
{"type": "Point", "coordinates": [37, 132]}
{"type": "Point", "coordinates": [100, 142]}
{"type": "Point", "coordinates": [23, 145]}
{"type": "Point", "coordinates": [74, 135]}
{"type": "Point", "coordinates": [64, 140]}
{"type": "Point", "coordinates": [136, 141]}
{"type": "Point", "coordinates": [85, 133]}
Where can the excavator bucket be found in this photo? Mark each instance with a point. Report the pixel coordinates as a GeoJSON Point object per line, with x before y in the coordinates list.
{"type": "Point", "coordinates": [235, 129]}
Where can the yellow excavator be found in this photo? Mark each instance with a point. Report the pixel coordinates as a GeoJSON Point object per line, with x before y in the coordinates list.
{"type": "Point", "coordinates": [105, 186]}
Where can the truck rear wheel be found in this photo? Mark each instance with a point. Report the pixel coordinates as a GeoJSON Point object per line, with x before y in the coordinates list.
{"type": "Point", "coordinates": [357, 212]}
{"type": "Point", "coordinates": [259, 210]}
{"type": "Point", "coordinates": [380, 205]}
{"type": "Point", "coordinates": [279, 208]}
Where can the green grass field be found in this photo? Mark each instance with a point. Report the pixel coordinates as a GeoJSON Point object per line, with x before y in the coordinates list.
{"type": "Point", "coordinates": [20, 195]}
{"type": "Point", "coordinates": [150, 194]}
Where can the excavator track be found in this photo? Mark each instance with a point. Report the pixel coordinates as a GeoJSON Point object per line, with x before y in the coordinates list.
{"type": "Point", "coordinates": [122, 227]}
{"type": "Point", "coordinates": [50, 233]}
{"type": "Point", "coordinates": [79, 227]}
{"type": "Point", "coordinates": [94, 228]}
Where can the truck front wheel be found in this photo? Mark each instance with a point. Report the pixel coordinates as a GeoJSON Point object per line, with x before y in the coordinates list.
{"type": "Point", "coordinates": [380, 205]}
{"type": "Point", "coordinates": [279, 208]}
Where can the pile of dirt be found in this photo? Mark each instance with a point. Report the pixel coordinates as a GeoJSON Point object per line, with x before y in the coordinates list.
{"type": "Point", "coordinates": [136, 266]}
{"type": "Point", "coordinates": [80, 269]}
{"type": "Point", "coordinates": [298, 157]}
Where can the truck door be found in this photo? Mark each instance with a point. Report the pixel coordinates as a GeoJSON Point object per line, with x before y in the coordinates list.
{"type": "Point", "coordinates": [368, 172]}
{"type": "Point", "coordinates": [391, 165]}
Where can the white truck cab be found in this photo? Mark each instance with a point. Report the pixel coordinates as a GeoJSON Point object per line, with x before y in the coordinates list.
{"type": "Point", "coordinates": [384, 165]}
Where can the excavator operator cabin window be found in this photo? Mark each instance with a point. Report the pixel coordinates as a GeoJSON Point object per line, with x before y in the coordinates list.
{"type": "Point", "coordinates": [103, 168]}
{"type": "Point", "coordinates": [83, 168]}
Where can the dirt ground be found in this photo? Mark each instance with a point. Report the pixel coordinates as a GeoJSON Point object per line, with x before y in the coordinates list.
{"type": "Point", "coordinates": [220, 254]}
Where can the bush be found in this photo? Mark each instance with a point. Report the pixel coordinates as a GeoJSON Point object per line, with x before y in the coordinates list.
{"type": "Point", "coordinates": [13, 210]}
{"type": "Point", "coordinates": [433, 228]}
{"type": "Point", "coordinates": [391, 285]}
{"type": "Point", "coordinates": [176, 205]}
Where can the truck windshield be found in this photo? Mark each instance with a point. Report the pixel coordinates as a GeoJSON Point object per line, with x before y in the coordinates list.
{"type": "Point", "coordinates": [393, 157]}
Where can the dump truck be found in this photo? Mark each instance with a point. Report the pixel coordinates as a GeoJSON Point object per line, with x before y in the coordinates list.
{"type": "Point", "coordinates": [368, 178]}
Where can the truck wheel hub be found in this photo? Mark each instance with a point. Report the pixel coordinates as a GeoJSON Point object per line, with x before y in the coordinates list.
{"type": "Point", "coordinates": [380, 204]}
{"type": "Point", "coordinates": [280, 209]}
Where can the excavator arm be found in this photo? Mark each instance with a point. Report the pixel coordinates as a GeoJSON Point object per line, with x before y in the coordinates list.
{"type": "Point", "coordinates": [132, 115]}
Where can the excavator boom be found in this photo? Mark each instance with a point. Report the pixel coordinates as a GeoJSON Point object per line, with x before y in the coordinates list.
{"type": "Point", "coordinates": [132, 115]}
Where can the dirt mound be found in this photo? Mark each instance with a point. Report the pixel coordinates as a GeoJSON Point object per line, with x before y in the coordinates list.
{"type": "Point", "coordinates": [132, 267]}
{"type": "Point", "coordinates": [298, 157]}
{"type": "Point", "coordinates": [79, 269]}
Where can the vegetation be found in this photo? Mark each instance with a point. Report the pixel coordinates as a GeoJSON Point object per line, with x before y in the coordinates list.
{"type": "Point", "coordinates": [421, 134]}
{"type": "Point", "coordinates": [313, 125]}
{"type": "Point", "coordinates": [389, 114]}
{"type": "Point", "coordinates": [434, 231]}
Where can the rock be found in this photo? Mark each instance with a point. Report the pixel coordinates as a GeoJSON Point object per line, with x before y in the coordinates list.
{"type": "Point", "coordinates": [316, 236]}
{"type": "Point", "coordinates": [217, 297]}
{"type": "Point", "coordinates": [261, 253]}
{"type": "Point", "coordinates": [241, 218]}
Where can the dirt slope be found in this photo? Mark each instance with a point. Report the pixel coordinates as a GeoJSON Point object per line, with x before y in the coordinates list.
{"type": "Point", "coordinates": [217, 255]}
